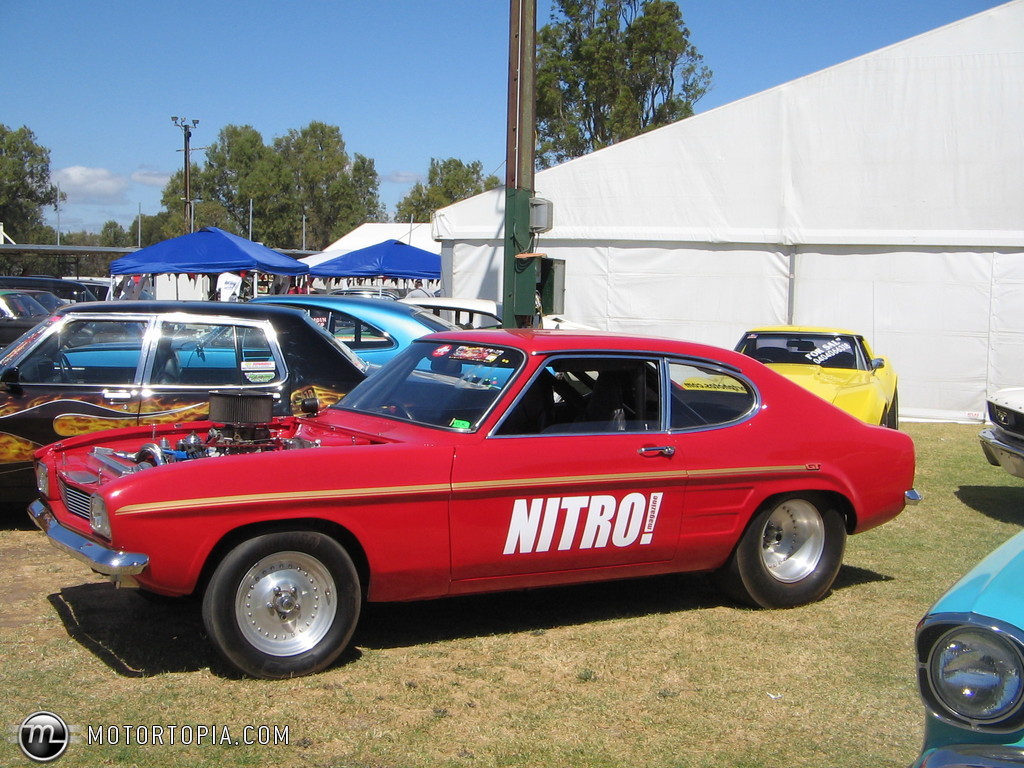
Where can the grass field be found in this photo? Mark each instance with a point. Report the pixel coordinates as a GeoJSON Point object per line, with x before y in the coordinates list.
{"type": "Point", "coordinates": [654, 673]}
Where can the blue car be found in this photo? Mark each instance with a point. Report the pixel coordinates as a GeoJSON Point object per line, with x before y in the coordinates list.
{"type": "Point", "coordinates": [375, 329]}
{"type": "Point", "coordinates": [970, 662]}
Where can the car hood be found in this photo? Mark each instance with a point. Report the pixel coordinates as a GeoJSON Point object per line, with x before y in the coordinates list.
{"type": "Point", "coordinates": [992, 587]}
{"type": "Point", "coordinates": [1012, 398]}
{"type": "Point", "coordinates": [824, 382]}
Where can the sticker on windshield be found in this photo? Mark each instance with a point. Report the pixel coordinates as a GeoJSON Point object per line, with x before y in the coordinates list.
{"type": "Point", "coordinates": [477, 354]}
{"type": "Point", "coordinates": [828, 350]}
{"type": "Point", "coordinates": [460, 424]}
{"type": "Point", "coordinates": [441, 351]}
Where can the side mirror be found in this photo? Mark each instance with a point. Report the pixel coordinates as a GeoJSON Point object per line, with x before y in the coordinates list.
{"type": "Point", "coordinates": [877, 363]}
{"type": "Point", "coordinates": [10, 378]}
{"type": "Point", "coordinates": [310, 406]}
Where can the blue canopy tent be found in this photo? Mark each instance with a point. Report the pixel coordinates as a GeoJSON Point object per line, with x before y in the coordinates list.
{"type": "Point", "coordinates": [208, 251]}
{"type": "Point", "coordinates": [392, 259]}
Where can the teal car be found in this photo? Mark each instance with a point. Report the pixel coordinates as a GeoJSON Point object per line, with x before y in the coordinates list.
{"type": "Point", "coordinates": [970, 667]}
{"type": "Point", "coordinates": [375, 329]}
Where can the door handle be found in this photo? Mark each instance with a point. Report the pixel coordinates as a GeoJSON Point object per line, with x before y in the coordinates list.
{"type": "Point", "coordinates": [117, 395]}
{"type": "Point", "coordinates": [657, 450]}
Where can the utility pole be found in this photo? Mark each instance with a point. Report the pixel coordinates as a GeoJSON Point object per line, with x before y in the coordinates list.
{"type": "Point", "coordinates": [186, 128]}
{"type": "Point", "coordinates": [519, 285]}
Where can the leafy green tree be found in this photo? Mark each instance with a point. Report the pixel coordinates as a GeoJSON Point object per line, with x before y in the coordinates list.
{"type": "Point", "coordinates": [236, 173]}
{"type": "Point", "coordinates": [25, 187]}
{"type": "Point", "coordinates": [113, 235]}
{"type": "Point", "coordinates": [448, 181]}
{"type": "Point", "coordinates": [306, 173]}
{"type": "Point", "coordinates": [608, 70]}
{"type": "Point", "coordinates": [366, 186]}
{"type": "Point", "coordinates": [206, 213]}
{"type": "Point", "coordinates": [317, 168]}
{"type": "Point", "coordinates": [152, 228]}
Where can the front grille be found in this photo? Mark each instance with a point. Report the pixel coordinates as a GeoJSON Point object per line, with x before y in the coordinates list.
{"type": "Point", "coordinates": [1005, 418]}
{"type": "Point", "coordinates": [75, 499]}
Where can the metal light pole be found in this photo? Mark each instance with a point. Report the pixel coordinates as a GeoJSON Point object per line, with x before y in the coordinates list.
{"type": "Point", "coordinates": [186, 126]}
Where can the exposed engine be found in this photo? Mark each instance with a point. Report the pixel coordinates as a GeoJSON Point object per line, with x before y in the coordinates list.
{"type": "Point", "coordinates": [242, 425]}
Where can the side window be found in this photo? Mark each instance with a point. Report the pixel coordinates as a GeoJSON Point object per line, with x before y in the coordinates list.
{"type": "Point", "coordinates": [358, 334]}
{"type": "Point", "coordinates": [213, 355]}
{"type": "Point", "coordinates": [706, 397]}
{"type": "Point", "coordinates": [105, 352]}
{"type": "Point", "coordinates": [589, 395]}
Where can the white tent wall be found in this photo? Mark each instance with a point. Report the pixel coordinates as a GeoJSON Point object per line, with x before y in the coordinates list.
{"type": "Point", "coordinates": [927, 310]}
{"type": "Point", "coordinates": [885, 195]}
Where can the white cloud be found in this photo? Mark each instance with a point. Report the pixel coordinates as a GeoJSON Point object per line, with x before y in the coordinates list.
{"type": "Point", "coordinates": [402, 177]}
{"type": "Point", "coordinates": [151, 177]}
{"type": "Point", "coordinates": [94, 186]}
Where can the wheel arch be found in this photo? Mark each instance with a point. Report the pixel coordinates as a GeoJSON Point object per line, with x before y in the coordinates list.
{"type": "Point", "coordinates": [236, 536]}
{"type": "Point", "coordinates": [831, 497]}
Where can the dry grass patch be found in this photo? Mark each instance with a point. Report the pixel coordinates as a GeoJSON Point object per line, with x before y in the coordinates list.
{"type": "Point", "coordinates": [656, 672]}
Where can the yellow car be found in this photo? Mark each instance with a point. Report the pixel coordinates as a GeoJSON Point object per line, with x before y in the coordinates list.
{"type": "Point", "coordinates": [836, 365]}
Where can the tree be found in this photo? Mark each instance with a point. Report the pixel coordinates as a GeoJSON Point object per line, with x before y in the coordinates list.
{"type": "Point", "coordinates": [236, 173]}
{"type": "Point", "coordinates": [113, 235]}
{"type": "Point", "coordinates": [303, 180]}
{"type": "Point", "coordinates": [608, 70]}
{"type": "Point", "coordinates": [25, 187]}
{"type": "Point", "coordinates": [317, 171]}
{"type": "Point", "coordinates": [448, 181]}
{"type": "Point", "coordinates": [152, 228]}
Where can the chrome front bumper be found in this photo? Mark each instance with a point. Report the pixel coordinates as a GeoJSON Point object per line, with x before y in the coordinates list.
{"type": "Point", "coordinates": [1000, 453]}
{"type": "Point", "coordinates": [119, 566]}
{"type": "Point", "coordinates": [973, 756]}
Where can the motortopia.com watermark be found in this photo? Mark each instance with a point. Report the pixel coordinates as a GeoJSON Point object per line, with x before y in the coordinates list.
{"type": "Point", "coordinates": [44, 736]}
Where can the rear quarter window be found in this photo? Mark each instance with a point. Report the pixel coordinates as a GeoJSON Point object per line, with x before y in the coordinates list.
{"type": "Point", "coordinates": [704, 396]}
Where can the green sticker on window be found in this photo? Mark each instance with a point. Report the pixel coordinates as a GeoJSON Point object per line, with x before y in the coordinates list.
{"type": "Point", "coordinates": [460, 424]}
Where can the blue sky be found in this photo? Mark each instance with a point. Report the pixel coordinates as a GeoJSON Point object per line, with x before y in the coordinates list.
{"type": "Point", "coordinates": [404, 80]}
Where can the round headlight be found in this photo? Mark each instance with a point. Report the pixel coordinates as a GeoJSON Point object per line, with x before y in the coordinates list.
{"type": "Point", "coordinates": [98, 517]}
{"type": "Point", "coordinates": [977, 674]}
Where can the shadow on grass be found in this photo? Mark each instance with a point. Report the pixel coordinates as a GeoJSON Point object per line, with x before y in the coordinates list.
{"type": "Point", "coordinates": [135, 636]}
{"type": "Point", "coordinates": [999, 502]}
{"type": "Point", "coordinates": [138, 637]}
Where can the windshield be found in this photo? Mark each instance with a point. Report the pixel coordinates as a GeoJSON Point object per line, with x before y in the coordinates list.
{"type": "Point", "coordinates": [829, 350]}
{"type": "Point", "coordinates": [439, 384]}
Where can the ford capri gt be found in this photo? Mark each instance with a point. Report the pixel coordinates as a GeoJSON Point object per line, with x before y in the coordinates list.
{"type": "Point", "coordinates": [836, 365]}
{"type": "Point", "coordinates": [477, 461]}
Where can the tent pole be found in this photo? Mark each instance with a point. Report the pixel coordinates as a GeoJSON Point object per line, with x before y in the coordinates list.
{"type": "Point", "coordinates": [791, 288]}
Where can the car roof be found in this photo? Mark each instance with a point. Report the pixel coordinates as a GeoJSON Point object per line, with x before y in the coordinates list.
{"type": "Point", "coordinates": [802, 329]}
{"type": "Point", "coordinates": [487, 306]}
{"type": "Point", "coordinates": [163, 307]}
{"type": "Point", "coordinates": [334, 301]}
{"type": "Point", "coordinates": [548, 341]}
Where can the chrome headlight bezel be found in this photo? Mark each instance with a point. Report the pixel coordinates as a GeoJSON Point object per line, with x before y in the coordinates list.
{"type": "Point", "coordinates": [43, 479]}
{"type": "Point", "coordinates": [977, 649]}
{"type": "Point", "coordinates": [99, 518]}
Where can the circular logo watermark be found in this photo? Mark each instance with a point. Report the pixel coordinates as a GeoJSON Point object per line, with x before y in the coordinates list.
{"type": "Point", "coordinates": [43, 736]}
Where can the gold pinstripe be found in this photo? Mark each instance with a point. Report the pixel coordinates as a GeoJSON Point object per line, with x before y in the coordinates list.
{"type": "Point", "coordinates": [526, 482]}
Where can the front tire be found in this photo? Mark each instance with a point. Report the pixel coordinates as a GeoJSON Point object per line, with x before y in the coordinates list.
{"type": "Point", "coordinates": [283, 604]}
{"type": "Point", "coordinates": [892, 416]}
{"type": "Point", "coordinates": [790, 553]}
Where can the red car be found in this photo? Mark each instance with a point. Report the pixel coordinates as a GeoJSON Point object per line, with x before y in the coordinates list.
{"type": "Point", "coordinates": [477, 461]}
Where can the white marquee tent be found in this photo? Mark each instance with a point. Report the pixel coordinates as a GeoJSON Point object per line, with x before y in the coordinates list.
{"type": "Point", "coordinates": [372, 233]}
{"type": "Point", "coordinates": [885, 195]}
